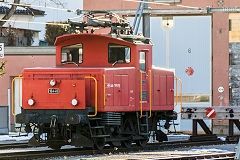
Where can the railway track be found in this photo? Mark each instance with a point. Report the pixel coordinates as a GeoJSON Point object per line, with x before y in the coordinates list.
{"type": "Point", "coordinates": [17, 145]}
{"type": "Point", "coordinates": [211, 156]}
{"type": "Point", "coordinates": [14, 145]}
{"type": "Point", "coordinates": [150, 147]}
{"type": "Point", "coordinates": [172, 144]}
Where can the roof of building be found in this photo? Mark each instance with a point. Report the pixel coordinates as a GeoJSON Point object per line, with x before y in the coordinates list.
{"type": "Point", "coordinates": [22, 11]}
{"type": "Point", "coordinates": [14, 28]}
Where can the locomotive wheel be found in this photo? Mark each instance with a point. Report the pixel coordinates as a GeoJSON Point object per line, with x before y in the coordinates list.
{"type": "Point", "coordinates": [161, 136]}
{"type": "Point", "coordinates": [127, 143]}
{"type": "Point", "coordinates": [129, 129]}
{"type": "Point", "coordinates": [116, 136]}
{"type": "Point", "coordinates": [55, 143]}
{"type": "Point", "coordinates": [55, 146]}
{"type": "Point", "coordinates": [116, 143]}
{"type": "Point", "coordinates": [99, 143]}
{"type": "Point", "coordinates": [142, 142]}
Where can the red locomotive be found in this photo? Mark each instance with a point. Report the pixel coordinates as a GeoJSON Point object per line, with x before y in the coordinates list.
{"type": "Point", "coordinates": [102, 90]}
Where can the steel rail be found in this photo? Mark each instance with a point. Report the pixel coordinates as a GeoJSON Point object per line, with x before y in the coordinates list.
{"type": "Point", "coordinates": [212, 156]}
{"type": "Point", "coordinates": [132, 12]}
{"type": "Point", "coordinates": [82, 151]}
{"type": "Point", "coordinates": [13, 145]}
{"type": "Point", "coordinates": [17, 145]}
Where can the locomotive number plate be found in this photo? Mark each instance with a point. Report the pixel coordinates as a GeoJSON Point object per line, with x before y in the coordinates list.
{"type": "Point", "coordinates": [53, 91]}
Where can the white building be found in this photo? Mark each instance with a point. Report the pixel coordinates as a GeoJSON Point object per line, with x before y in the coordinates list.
{"type": "Point", "coordinates": [20, 29]}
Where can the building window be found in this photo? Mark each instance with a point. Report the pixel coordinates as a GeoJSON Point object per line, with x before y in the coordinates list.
{"type": "Point", "coordinates": [72, 54]}
{"type": "Point", "coordinates": [119, 53]}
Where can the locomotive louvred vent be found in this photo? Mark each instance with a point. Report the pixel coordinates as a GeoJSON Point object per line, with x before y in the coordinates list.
{"type": "Point", "coordinates": [111, 118]}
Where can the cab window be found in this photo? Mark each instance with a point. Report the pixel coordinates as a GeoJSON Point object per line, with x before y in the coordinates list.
{"type": "Point", "coordinates": [72, 54]}
{"type": "Point", "coordinates": [142, 61]}
{"type": "Point", "coordinates": [119, 53]}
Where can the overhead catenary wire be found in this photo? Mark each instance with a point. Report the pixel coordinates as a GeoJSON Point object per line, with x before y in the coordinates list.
{"type": "Point", "coordinates": [165, 4]}
{"type": "Point", "coordinates": [49, 23]}
{"type": "Point", "coordinates": [99, 18]}
{"type": "Point", "coordinates": [52, 23]}
{"type": "Point", "coordinates": [76, 17]}
{"type": "Point", "coordinates": [119, 18]}
{"type": "Point", "coordinates": [38, 6]}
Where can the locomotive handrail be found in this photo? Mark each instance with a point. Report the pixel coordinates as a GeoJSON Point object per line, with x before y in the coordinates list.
{"type": "Point", "coordinates": [19, 77]}
{"type": "Point", "coordinates": [176, 91]}
{"type": "Point", "coordinates": [90, 77]}
{"type": "Point", "coordinates": [140, 94]}
{"type": "Point", "coordinates": [150, 97]}
{"type": "Point", "coordinates": [104, 91]}
{"type": "Point", "coordinates": [177, 79]}
{"type": "Point", "coordinates": [181, 93]}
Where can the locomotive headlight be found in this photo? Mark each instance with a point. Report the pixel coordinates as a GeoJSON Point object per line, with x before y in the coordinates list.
{"type": "Point", "coordinates": [52, 83]}
{"type": "Point", "coordinates": [31, 102]}
{"type": "Point", "coordinates": [74, 102]}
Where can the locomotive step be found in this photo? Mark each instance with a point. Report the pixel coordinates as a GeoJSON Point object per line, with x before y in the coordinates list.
{"type": "Point", "coordinates": [18, 127]}
{"type": "Point", "coordinates": [98, 127]}
{"type": "Point", "coordinates": [176, 124]}
{"type": "Point", "coordinates": [100, 136]}
{"type": "Point", "coordinates": [144, 134]}
{"type": "Point", "coordinates": [171, 122]}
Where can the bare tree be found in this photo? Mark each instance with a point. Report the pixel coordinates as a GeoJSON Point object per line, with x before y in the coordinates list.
{"type": "Point", "coordinates": [9, 14]}
{"type": "Point", "coordinates": [2, 67]}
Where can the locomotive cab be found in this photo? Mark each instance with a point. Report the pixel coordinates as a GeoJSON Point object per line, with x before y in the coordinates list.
{"type": "Point", "coordinates": [92, 50]}
{"type": "Point", "coordinates": [101, 87]}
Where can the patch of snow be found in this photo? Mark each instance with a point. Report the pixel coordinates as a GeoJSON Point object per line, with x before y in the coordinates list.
{"type": "Point", "coordinates": [179, 135]}
{"type": "Point", "coordinates": [208, 150]}
{"type": "Point", "coordinates": [14, 136]}
{"type": "Point", "coordinates": [222, 138]}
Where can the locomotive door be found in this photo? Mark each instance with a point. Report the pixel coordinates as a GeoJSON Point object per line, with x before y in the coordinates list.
{"type": "Point", "coordinates": [144, 83]}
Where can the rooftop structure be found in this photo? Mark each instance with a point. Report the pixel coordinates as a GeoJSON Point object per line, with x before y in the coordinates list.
{"type": "Point", "coordinates": [14, 33]}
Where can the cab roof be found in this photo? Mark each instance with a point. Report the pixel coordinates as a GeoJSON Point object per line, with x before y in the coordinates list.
{"type": "Point", "coordinates": [66, 38]}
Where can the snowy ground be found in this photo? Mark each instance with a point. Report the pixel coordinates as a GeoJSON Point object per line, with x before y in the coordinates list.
{"type": "Point", "coordinates": [14, 137]}
{"type": "Point", "coordinates": [156, 154]}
